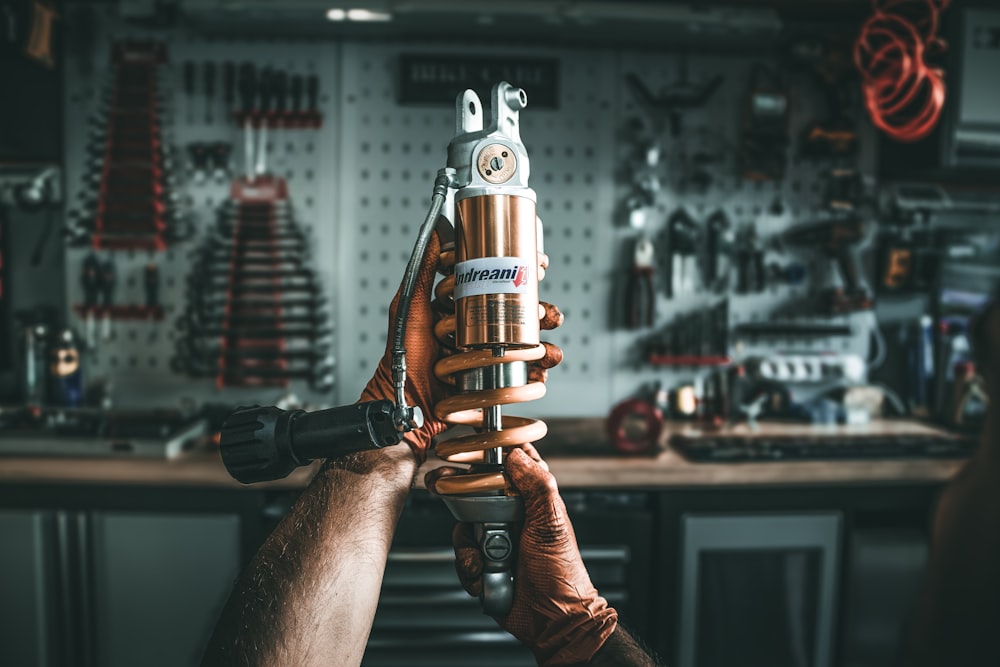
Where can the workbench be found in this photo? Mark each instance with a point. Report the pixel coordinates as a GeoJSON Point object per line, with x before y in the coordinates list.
{"type": "Point", "coordinates": [576, 450]}
{"type": "Point", "coordinates": [110, 523]}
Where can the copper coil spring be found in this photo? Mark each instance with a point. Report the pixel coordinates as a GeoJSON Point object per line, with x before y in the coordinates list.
{"type": "Point", "coordinates": [469, 408]}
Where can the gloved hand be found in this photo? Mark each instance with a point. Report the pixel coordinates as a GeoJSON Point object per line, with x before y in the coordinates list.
{"type": "Point", "coordinates": [423, 389]}
{"type": "Point", "coordinates": [556, 611]}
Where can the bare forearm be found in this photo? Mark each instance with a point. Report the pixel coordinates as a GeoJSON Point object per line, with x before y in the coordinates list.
{"type": "Point", "coordinates": [622, 649]}
{"type": "Point", "coordinates": [309, 595]}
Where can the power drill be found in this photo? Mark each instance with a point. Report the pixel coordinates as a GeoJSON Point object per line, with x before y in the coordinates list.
{"type": "Point", "coordinates": [484, 193]}
{"type": "Point", "coordinates": [838, 240]}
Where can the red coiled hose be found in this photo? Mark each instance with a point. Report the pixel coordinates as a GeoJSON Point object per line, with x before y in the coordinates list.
{"type": "Point", "coordinates": [904, 96]}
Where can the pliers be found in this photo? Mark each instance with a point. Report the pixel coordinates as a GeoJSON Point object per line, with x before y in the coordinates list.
{"type": "Point", "coordinates": [640, 299]}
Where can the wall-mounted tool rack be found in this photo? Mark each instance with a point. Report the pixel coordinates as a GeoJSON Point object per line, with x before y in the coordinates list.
{"type": "Point", "coordinates": [361, 181]}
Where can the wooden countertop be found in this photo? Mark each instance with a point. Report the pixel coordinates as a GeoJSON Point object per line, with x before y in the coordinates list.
{"type": "Point", "coordinates": [576, 450]}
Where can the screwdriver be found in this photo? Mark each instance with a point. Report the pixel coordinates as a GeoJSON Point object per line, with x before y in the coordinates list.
{"type": "Point", "coordinates": [90, 280]}
{"type": "Point", "coordinates": [151, 283]}
{"type": "Point", "coordinates": [265, 89]}
{"type": "Point", "coordinates": [312, 98]}
{"type": "Point", "coordinates": [295, 98]}
{"type": "Point", "coordinates": [209, 74]}
{"type": "Point", "coordinates": [280, 90]}
{"type": "Point", "coordinates": [107, 285]}
{"type": "Point", "coordinates": [248, 91]}
{"type": "Point", "coordinates": [189, 86]}
{"type": "Point", "coordinates": [228, 85]}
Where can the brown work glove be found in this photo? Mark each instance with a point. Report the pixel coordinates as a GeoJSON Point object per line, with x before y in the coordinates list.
{"type": "Point", "coordinates": [556, 611]}
{"type": "Point", "coordinates": [422, 388]}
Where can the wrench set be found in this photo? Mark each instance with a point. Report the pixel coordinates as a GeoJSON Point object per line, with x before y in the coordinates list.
{"type": "Point", "coordinates": [256, 315]}
{"type": "Point", "coordinates": [129, 160]}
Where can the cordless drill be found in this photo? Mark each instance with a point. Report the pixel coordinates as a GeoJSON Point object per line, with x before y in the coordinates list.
{"type": "Point", "coordinates": [837, 240]}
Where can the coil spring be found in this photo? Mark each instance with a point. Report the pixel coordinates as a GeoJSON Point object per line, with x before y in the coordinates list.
{"type": "Point", "coordinates": [469, 408]}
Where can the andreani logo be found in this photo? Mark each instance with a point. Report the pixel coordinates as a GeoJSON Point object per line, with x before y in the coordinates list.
{"type": "Point", "coordinates": [491, 275]}
{"type": "Point", "coordinates": [517, 274]}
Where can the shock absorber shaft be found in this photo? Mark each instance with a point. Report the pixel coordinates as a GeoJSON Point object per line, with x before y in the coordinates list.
{"type": "Point", "coordinates": [496, 327]}
{"type": "Point", "coordinates": [493, 421]}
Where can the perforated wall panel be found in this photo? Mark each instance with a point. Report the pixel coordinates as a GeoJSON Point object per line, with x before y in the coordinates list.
{"type": "Point", "coordinates": [137, 355]}
{"type": "Point", "coordinates": [363, 183]}
{"type": "Point", "coordinates": [391, 155]}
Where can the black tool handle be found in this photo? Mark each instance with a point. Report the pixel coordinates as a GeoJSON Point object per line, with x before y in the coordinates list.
{"type": "Point", "coordinates": [850, 272]}
{"type": "Point", "coordinates": [717, 225]}
{"type": "Point", "coordinates": [759, 272]}
{"type": "Point", "coordinates": [229, 84]}
{"type": "Point", "coordinates": [108, 280]}
{"type": "Point", "coordinates": [743, 271]}
{"type": "Point", "coordinates": [190, 68]}
{"type": "Point", "coordinates": [640, 302]}
{"type": "Point", "coordinates": [280, 87]}
{"type": "Point", "coordinates": [266, 443]}
{"type": "Point", "coordinates": [676, 123]}
{"type": "Point", "coordinates": [151, 283]}
{"type": "Point", "coordinates": [247, 87]}
{"type": "Point", "coordinates": [265, 89]}
{"type": "Point", "coordinates": [208, 74]}
{"type": "Point", "coordinates": [312, 93]}
{"type": "Point", "coordinates": [295, 92]}
{"type": "Point", "coordinates": [90, 277]}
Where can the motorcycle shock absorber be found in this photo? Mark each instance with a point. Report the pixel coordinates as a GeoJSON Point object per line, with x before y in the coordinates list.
{"type": "Point", "coordinates": [483, 192]}
{"type": "Point", "coordinates": [495, 326]}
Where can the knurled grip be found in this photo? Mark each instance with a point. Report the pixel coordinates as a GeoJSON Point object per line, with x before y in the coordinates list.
{"type": "Point", "coordinates": [255, 444]}
{"type": "Point", "coordinates": [266, 443]}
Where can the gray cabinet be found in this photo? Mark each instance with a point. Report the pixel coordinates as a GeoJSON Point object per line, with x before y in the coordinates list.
{"type": "Point", "coordinates": [113, 588]}
{"type": "Point", "coordinates": [759, 589]}
{"type": "Point", "coordinates": [159, 582]}
{"type": "Point", "coordinates": [27, 588]}
{"type": "Point", "coordinates": [887, 565]}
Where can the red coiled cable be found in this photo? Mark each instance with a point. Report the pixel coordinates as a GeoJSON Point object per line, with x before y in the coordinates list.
{"type": "Point", "coordinates": [903, 94]}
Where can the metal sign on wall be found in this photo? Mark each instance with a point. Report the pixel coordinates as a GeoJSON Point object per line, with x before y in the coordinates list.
{"type": "Point", "coordinates": [437, 79]}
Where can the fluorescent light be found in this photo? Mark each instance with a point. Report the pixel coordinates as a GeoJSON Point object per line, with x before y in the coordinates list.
{"type": "Point", "coordinates": [360, 15]}
{"type": "Point", "coordinates": [368, 15]}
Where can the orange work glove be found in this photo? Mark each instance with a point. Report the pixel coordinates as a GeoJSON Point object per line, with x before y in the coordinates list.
{"type": "Point", "coordinates": [556, 611]}
{"type": "Point", "coordinates": [422, 388]}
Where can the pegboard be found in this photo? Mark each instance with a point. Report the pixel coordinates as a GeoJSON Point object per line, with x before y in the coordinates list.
{"type": "Point", "coordinates": [577, 153]}
{"type": "Point", "coordinates": [138, 354]}
{"type": "Point", "coordinates": [363, 183]}
{"type": "Point", "coordinates": [395, 152]}
{"type": "Point", "coordinates": [715, 128]}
